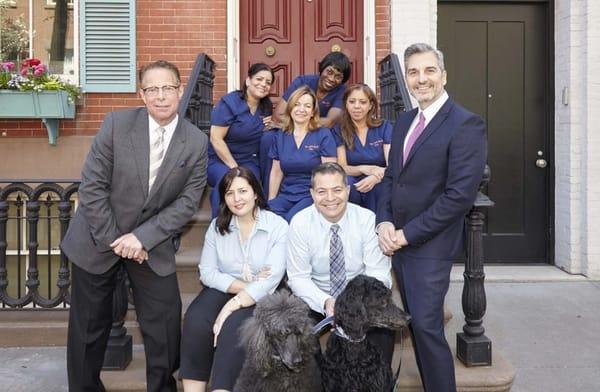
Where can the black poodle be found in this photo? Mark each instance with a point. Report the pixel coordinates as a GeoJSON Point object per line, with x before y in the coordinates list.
{"type": "Point", "coordinates": [351, 363]}
{"type": "Point", "coordinates": [281, 351]}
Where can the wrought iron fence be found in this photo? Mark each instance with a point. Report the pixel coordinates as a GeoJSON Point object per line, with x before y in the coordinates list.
{"type": "Point", "coordinates": [34, 216]}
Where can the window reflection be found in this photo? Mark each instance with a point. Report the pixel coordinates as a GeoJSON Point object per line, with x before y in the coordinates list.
{"type": "Point", "coordinates": [50, 39]}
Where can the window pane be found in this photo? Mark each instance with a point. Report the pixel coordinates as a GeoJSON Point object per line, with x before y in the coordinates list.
{"type": "Point", "coordinates": [14, 34]}
{"type": "Point", "coordinates": [53, 36]}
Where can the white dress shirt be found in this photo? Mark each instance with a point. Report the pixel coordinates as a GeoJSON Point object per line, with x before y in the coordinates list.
{"type": "Point", "coordinates": [428, 113]}
{"type": "Point", "coordinates": [225, 258]}
{"type": "Point", "coordinates": [169, 130]}
{"type": "Point", "coordinates": [308, 252]}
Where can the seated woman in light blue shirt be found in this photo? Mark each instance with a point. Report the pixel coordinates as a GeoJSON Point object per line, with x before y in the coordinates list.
{"type": "Point", "coordinates": [243, 259]}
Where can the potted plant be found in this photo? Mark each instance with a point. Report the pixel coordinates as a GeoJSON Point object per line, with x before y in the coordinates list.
{"type": "Point", "coordinates": [31, 92]}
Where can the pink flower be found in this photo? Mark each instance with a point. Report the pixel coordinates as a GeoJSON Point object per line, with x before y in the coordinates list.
{"type": "Point", "coordinates": [8, 66]}
{"type": "Point", "coordinates": [39, 70]}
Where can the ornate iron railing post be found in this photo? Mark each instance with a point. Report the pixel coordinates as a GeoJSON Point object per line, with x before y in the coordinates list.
{"type": "Point", "coordinates": [473, 348]}
{"type": "Point", "coordinates": [120, 345]}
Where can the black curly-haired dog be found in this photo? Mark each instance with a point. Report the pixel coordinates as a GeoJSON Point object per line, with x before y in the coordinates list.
{"type": "Point", "coordinates": [351, 363]}
{"type": "Point", "coordinates": [280, 348]}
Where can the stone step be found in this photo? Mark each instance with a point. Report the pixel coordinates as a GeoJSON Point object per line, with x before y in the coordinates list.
{"type": "Point", "coordinates": [496, 378]}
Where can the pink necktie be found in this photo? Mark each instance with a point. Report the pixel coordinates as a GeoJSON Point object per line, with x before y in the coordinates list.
{"type": "Point", "coordinates": [414, 136]}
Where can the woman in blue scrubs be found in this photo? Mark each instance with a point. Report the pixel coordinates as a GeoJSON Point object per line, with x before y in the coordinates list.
{"type": "Point", "coordinates": [328, 85]}
{"type": "Point", "coordinates": [300, 147]}
{"type": "Point", "coordinates": [363, 145]}
{"type": "Point", "coordinates": [237, 124]}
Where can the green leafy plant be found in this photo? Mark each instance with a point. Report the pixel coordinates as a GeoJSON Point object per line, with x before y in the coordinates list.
{"type": "Point", "coordinates": [33, 76]}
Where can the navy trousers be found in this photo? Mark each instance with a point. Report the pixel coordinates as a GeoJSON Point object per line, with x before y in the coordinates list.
{"type": "Point", "coordinates": [423, 285]}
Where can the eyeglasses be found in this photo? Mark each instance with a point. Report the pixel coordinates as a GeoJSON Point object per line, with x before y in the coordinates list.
{"type": "Point", "coordinates": [153, 91]}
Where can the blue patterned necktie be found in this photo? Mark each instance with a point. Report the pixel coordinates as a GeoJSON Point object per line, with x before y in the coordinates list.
{"type": "Point", "coordinates": [337, 268]}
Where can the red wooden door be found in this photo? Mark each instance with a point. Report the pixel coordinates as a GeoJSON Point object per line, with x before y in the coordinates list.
{"type": "Point", "coordinates": [293, 35]}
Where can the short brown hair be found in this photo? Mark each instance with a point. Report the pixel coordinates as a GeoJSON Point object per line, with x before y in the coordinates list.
{"type": "Point", "coordinates": [164, 64]}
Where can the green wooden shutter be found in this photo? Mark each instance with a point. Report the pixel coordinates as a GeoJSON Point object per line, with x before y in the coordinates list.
{"type": "Point", "coordinates": [107, 45]}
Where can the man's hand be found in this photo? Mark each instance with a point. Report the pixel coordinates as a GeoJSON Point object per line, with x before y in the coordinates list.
{"type": "Point", "coordinates": [390, 239]}
{"type": "Point", "coordinates": [329, 306]}
{"type": "Point", "coordinates": [128, 246]}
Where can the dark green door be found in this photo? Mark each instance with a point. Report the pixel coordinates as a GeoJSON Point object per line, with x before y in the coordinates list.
{"type": "Point", "coordinates": [498, 66]}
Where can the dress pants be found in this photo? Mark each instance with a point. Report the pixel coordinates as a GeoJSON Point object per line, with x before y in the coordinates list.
{"type": "Point", "coordinates": [200, 360]}
{"type": "Point", "coordinates": [158, 308]}
{"type": "Point", "coordinates": [423, 284]}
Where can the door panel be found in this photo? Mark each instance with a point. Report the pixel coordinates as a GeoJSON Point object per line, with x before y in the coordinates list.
{"type": "Point", "coordinates": [496, 58]}
{"type": "Point", "coordinates": [299, 33]}
{"type": "Point", "coordinates": [268, 24]}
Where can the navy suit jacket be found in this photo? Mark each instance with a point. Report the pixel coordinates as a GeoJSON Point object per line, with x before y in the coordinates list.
{"type": "Point", "coordinates": [429, 196]}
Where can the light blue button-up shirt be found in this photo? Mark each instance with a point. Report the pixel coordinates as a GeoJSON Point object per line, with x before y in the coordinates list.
{"type": "Point", "coordinates": [225, 259]}
{"type": "Point", "coordinates": [308, 252]}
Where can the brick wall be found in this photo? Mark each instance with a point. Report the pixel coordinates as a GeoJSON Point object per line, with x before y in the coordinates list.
{"type": "Point", "coordinates": [174, 30]}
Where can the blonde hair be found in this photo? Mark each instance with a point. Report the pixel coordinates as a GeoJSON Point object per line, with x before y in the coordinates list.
{"type": "Point", "coordinates": [313, 123]}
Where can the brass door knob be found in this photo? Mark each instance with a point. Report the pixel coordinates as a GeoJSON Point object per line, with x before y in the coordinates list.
{"type": "Point", "coordinates": [270, 51]}
{"type": "Point", "coordinates": [336, 48]}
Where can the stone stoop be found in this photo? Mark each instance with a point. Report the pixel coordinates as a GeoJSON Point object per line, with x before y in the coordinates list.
{"type": "Point", "coordinates": [496, 378]}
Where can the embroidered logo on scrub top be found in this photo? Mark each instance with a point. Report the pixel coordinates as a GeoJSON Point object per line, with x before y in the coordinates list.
{"type": "Point", "coordinates": [376, 143]}
{"type": "Point", "coordinates": [312, 147]}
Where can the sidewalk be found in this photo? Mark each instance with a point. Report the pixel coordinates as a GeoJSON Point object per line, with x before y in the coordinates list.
{"type": "Point", "coordinates": [542, 320]}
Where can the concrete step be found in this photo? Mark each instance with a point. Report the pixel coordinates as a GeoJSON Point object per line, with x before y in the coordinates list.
{"type": "Point", "coordinates": [48, 327]}
{"type": "Point", "coordinates": [496, 378]}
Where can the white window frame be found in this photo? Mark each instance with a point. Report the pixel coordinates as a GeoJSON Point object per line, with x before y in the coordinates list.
{"type": "Point", "coordinates": [73, 4]}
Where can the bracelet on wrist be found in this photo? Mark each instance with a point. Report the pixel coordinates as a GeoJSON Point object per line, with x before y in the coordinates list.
{"type": "Point", "coordinates": [236, 300]}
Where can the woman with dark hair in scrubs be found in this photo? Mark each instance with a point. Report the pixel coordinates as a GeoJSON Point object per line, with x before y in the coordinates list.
{"type": "Point", "coordinates": [300, 147]}
{"type": "Point", "coordinates": [237, 124]}
{"type": "Point", "coordinates": [363, 145]}
{"type": "Point", "coordinates": [328, 85]}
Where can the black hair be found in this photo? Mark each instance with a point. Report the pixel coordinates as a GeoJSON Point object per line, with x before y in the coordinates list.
{"type": "Point", "coordinates": [328, 168]}
{"type": "Point", "coordinates": [339, 61]}
{"type": "Point", "coordinates": [264, 105]}
{"type": "Point", "coordinates": [224, 215]}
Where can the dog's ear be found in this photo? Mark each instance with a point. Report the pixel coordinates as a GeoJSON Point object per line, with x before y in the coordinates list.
{"type": "Point", "coordinates": [350, 311]}
{"type": "Point", "coordinates": [254, 338]}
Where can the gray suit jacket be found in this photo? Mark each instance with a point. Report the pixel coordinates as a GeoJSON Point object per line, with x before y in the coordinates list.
{"type": "Point", "coordinates": [114, 198]}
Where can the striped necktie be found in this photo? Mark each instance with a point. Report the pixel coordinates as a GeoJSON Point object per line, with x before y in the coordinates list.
{"type": "Point", "coordinates": [157, 153]}
{"type": "Point", "coordinates": [414, 136]}
{"type": "Point", "coordinates": [337, 268]}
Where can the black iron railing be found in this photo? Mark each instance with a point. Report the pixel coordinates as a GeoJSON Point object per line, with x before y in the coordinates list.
{"type": "Point", "coordinates": [472, 346]}
{"type": "Point", "coordinates": [394, 94]}
{"type": "Point", "coordinates": [34, 216]}
{"type": "Point", "coordinates": [196, 103]}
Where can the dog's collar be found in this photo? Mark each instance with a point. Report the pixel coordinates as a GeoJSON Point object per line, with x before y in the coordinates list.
{"type": "Point", "coordinates": [339, 331]}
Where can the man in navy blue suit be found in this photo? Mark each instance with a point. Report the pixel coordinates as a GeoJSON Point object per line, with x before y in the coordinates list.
{"type": "Point", "coordinates": [436, 163]}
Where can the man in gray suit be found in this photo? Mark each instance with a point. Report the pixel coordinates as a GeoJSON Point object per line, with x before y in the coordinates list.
{"type": "Point", "coordinates": [141, 183]}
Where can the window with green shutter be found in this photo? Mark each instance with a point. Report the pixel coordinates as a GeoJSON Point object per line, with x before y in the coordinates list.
{"type": "Point", "coordinates": [107, 31]}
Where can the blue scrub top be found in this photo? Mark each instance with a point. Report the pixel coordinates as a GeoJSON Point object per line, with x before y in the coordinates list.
{"type": "Point", "coordinates": [297, 163]}
{"type": "Point", "coordinates": [333, 99]}
{"type": "Point", "coordinates": [372, 152]}
{"type": "Point", "coordinates": [245, 128]}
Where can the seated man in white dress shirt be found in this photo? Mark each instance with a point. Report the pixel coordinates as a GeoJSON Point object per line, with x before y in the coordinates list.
{"type": "Point", "coordinates": [310, 268]}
